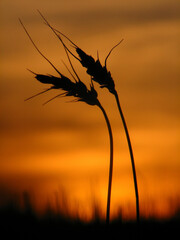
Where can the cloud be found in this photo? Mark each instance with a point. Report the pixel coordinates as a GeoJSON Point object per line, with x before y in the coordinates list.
{"type": "Point", "coordinates": [94, 20]}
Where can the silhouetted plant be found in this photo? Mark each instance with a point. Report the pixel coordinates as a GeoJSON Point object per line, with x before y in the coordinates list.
{"type": "Point", "coordinates": [103, 77]}
{"type": "Point", "coordinates": [81, 93]}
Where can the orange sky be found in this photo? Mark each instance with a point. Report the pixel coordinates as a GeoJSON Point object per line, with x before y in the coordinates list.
{"type": "Point", "coordinates": [65, 146]}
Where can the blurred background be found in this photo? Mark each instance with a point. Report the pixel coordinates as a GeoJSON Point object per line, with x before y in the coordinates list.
{"type": "Point", "coordinates": [59, 153]}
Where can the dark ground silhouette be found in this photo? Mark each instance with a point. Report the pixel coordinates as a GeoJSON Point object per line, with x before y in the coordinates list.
{"type": "Point", "coordinates": [23, 223]}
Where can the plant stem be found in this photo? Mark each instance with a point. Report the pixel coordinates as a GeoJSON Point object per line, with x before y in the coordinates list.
{"type": "Point", "coordinates": [111, 164]}
{"type": "Point", "coordinates": [131, 155]}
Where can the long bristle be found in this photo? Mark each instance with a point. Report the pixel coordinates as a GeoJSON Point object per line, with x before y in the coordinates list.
{"type": "Point", "coordinates": [38, 48]}
{"type": "Point", "coordinates": [69, 71]}
{"type": "Point", "coordinates": [112, 50]}
{"type": "Point", "coordinates": [55, 32]}
{"type": "Point", "coordinates": [61, 94]}
{"type": "Point", "coordinates": [65, 47]}
{"type": "Point", "coordinates": [37, 94]}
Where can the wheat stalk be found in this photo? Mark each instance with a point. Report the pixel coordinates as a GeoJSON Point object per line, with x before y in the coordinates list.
{"type": "Point", "coordinates": [81, 93]}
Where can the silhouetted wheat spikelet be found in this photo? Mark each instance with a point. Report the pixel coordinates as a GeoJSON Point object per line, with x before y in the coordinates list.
{"type": "Point", "coordinates": [103, 77]}
{"type": "Point", "coordinates": [81, 93]}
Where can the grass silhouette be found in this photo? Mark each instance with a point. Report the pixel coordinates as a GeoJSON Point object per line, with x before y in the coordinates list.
{"type": "Point", "coordinates": [103, 77]}
{"type": "Point", "coordinates": [23, 222]}
{"type": "Point", "coordinates": [81, 93]}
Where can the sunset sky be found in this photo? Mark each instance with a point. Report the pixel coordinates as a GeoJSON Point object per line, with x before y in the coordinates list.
{"type": "Point", "coordinates": [62, 149]}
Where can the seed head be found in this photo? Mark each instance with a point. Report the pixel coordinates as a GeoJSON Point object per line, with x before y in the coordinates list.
{"type": "Point", "coordinates": [98, 73]}
{"type": "Point", "coordinates": [76, 89]}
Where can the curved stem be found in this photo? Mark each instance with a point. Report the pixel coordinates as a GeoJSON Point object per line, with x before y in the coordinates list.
{"type": "Point", "coordinates": [111, 163]}
{"type": "Point", "coordinates": [131, 155]}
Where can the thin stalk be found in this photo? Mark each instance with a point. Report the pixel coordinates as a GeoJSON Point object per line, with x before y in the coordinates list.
{"type": "Point", "coordinates": [131, 155]}
{"type": "Point", "coordinates": [111, 164]}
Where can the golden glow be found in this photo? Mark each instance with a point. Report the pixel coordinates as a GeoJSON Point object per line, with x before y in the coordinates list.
{"type": "Point", "coordinates": [60, 152]}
